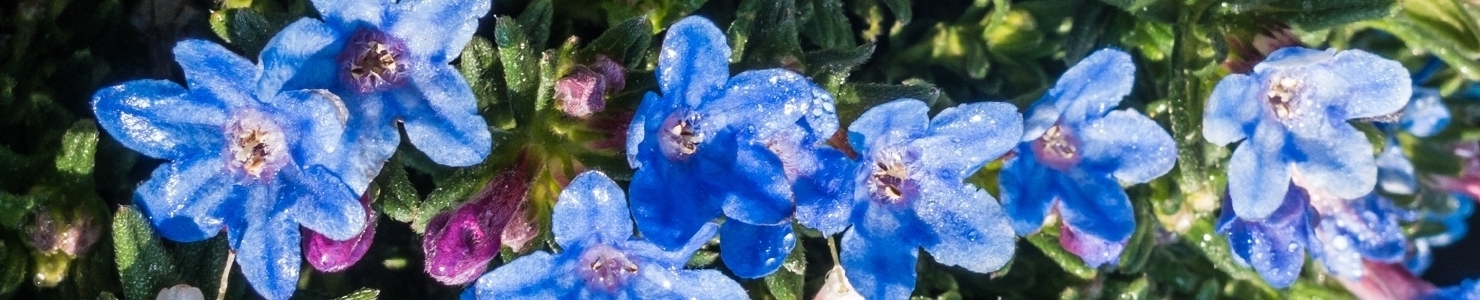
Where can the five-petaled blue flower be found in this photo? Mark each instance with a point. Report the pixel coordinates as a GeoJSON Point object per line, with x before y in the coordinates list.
{"type": "Point", "coordinates": [1074, 149]}
{"type": "Point", "coordinates": [707, 145]}
{"type": "Point", "coordinates": [251, 163]}
{"type": "Point", "coordinates": [389, 61]}
{"type": "Point", "coordinates": [1340, 233]}
{"type": "Point", "coordinates": [1291, 113]}
{"type": "Point", "coordinates": [600, 259]}
{"type": "Point", "coordinates": [907, 191]}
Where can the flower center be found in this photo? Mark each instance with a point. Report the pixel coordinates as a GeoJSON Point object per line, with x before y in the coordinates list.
{"type": "Point", "coordinates": [372, 61]}
{"type": "Point", "coordinates": [604, 268]}
{"type": "Point", "coordinates": [889, 179]}
{"type": "Point", "coordinates": [256, 147]}
{"type": "Point", "coordinates": [1281, 96]}
{"type": "Point", "coordinates": [680, 136]}
{"type": "Point", "coordinates": [1057, 148]}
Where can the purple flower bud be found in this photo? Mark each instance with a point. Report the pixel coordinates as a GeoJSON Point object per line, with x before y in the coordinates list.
{"type": "Point", "coordinates": [459, 243]}
{"type": "Point", "coordinates": [329, 255]}
{"type": "Point", "coordinates": [580, 93]}
{"type": "Point", "coordinates": [60, 234]}
{"type": "Point", "coordinates": [613, 72]}
{"type": "Point", "coordinates": [521, 229]}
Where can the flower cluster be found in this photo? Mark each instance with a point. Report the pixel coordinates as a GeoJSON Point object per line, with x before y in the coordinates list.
{"type": "Point", "coordinates": [1302, 179]}
{"type": "Point", "coordinates": [262, 150]}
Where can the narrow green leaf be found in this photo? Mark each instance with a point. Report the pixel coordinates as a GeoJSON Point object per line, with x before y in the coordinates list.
{"type": "Point", "coordinates": [774, 42]}
{"type": "Point", "coordinates": [1311, 15]}
{"type": "Point", "coordinates": [536, 22]}
{"type": "Point", "coordinates": [837, 62]}
{"type": "Point", "coordinates": [143, 265]}
{"type": "Point", "coordinates": [825, 24]}
{"type": "Point", "coordinates": [250, 30]}
{"type": "Point", "coordinates": [521, 73]}
{"type": "Point", "coordinates": [202, 263]}
{"type": "Point", "coordinates": [13, 209]}
{"type": "Point", "coordinates": [397, 198]}
{"type": "Point", "coordinates": [624, 42]}
{"type": "Point", "coordinates": [362, 294]}
{"type": "Point", "coordinates": [786, 283]}
{"type": "Point", "coordinates": [450, 192]}
{"type": "Point", "coordinates": [12, 266]}
{"type": "Point", "coordinates": [79, 147]}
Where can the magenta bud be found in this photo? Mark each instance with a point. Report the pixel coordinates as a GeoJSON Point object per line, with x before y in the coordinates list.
{"type": "Point", "coordinates": [520, 230]}
{"type": "Point", "coordinates": [613, 73]}
{"type": "Point", "coordinates": [329, 255]}
{"type": "Point", "coordinates": [581, 92]}
{"type": "Point", "coordinates": [51, 233]}
{"type": "Point", "coordinates": [460, 243]}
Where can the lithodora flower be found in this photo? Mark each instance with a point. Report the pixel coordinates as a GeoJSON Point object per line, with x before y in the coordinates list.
{"type": "Point", "coordinates": [252, 164]}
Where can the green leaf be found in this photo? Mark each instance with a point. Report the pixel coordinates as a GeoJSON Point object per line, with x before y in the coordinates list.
{"type": "Point", "coordinates": [1163, 11]}
{"type": "Point", "coordinates": [1430, 25]}
{"type": "Point", "coordinates": [362, 294]}
{"type": "Point", "coordinates": [201, 264]}
{"type": "Point", "coordinates": [250, 30]}
{"type": "Point", "coordinates": [901, 9]}
{"type": "Point", "coordinates": [854, 99]}
{"type": "Point", "coordinates": [767, 40]}
{"type": "Point", "coordinates": [624, 42]}
{"type": "Point", "coordinates": [786, 283]}
{"type": "Point", "coordinates": [397, 198]}
{"type": "Point", "coordinates": [143, 265]}
{"type": "Point", "coordinates": [836, 63]}
{"type": "Point", "coordinates": [13, 266]}
{"type": "Point", "coordinates": [536, 22]}
{"type": "Point", "coordinates": [79, 146]}
{"type": "Point", "coordinates": [825, 25]}
{"type": "Point", "coordinates": [521, 66]}
{"type": "Point", "coordinates": [1311, 15]}
{"type": "Point", "coordinates": [13, 209]}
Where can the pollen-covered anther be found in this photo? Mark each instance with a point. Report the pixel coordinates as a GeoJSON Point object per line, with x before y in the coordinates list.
{"type": "Point", "coordinates": [256, 146]}
{"type": "Point", "coordinates": [887, 182]}
{"type": "Point", "coordinates": [1281, 96]}
{"type": "Point", "coordinates": [1057, 148]}
{"type": "Point", "coordinates": [372, 61]}
{"type": "Point", "coordinates": [680, 137]}
{"type": "Point", "coordinates": [604, 268]}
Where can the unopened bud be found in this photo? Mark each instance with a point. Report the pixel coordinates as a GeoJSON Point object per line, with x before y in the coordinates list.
{"type": "Point", "coordinates": [329, 255]}
{"type": "Point", "coordinates": [581, 92]}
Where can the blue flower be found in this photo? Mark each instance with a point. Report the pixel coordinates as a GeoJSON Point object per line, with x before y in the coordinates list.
{"type": "Point", "coordinates": [389, 61]}
{"type": "Point", "coordinates": [708, 144]}
{"type": "Point", "coordinates": [600, 259]}
{"type": "Point", "coordinates": [1339, 233]}
{"type": "Point", "coordinates": [1291, 113]}
{"type": "Point", "coordinates": [247, 162]}
{"type": "Point", "coordinates": [908, 191]}
{"type": "Point", "coordinates": [1074, 154]}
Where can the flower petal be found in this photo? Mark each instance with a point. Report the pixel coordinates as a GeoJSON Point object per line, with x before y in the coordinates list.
{"type": "Point", "coordinates": [1231, 109]}
{"type": "Point", "coordinates": [328, 255]}
{"type": "Point", "coordinates": [752, 251]}
{"type": "Point", "coordinates": [768, 100]}
{"type": "Point", "coordinates": [971, 229]}
{"type": "Point", "coordinates": [825, 199]}
{"type": "Point", "coordinates": [669, 210]}
{"type": "Point", "coordinates": [301, 56]}
{"type": "Point", "coordinates": [437, 30]}
{"type": "Point", "coordinates": [658, 282]}
{"type": "Point", "coordinates": [316, 118]}
{"type": "Point", "coordinates": [1425, 114]}
{"type": "Point", "coordinates": [1095, 207]}
{"type": "Point", "coordinates": [1028, 190]}
{"type": "Point", "coordinates": [1128, 145]}
{"type": "Point", "coordinates": [1258, 174]}
{"type": "Point", "coordinates": [965, 137]}
{"type": "Point", "coordinates": [1275, 247]}
{"type": "Point", "coordinates": [1395, 174]}
{"type": "Point", "coordinates": [1292, 57]}
{"type": "Point", "coordinates": [878, 270]}
{"type": "Point", "coordinates": [535, 276]}
{"type": "Point", "coordinates": [1369, 86]}
{"type": "Point", "coordinates": [1337, 159]}
{"type": "Point", "coordinates": [269, 256]}
{"type": "Point", "coordinates": [1094, 85]}
{"type": "Point", "coordinates": [160, 119]}
{"type": "Point", "coordinates": [368, 141]}
{"type": "Point", "coordinates": [648, 118]}
{"type": "Point", "coordinates": [442, 117]}
{"type": "Point", "coordinates": [349, 14]}
{"type": "Point", "coordinates": [889, 123]}
{"type": "Point", "coordinates": [1038, 119]}
{"type": "Point", "coordinates": [592, 205]}
{"type": "Point", "coordinates": [322, 203]}
{"type": "Point", "coordinates": [216, 74]}
{"type": "Point", "coordinates": [1092, 249]}
{"type": "Point", "coordinates": [752, 183]}
{"type": "Point", "coordinates": [184, 198]}
{"type": "Point", "coordinates": [694, 61]}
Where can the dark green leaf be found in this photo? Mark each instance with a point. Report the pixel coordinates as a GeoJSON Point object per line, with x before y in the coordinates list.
{"type": "Point", "coordinates": [786, 282]}
{"type": "Point", "coordinates": [1164, 11]}
{"type": "Point", "coordinates": [397, 198]}
{"type": "Point", "coordinates": [521, 65]}
{"type": "Point", "coordinates": [825, 24]}
{"type": "Point", "coordinates": [13, 209]}
{"type": "Point", "coordinates": [536, 22]}
{"type": "Point", "coordinates": [362, 294]}
{"type": "Point", "coordinates": [624, 42]}
{"type": "Point", "coordinates": [12, 266]}
{"type": "Point", "coordinates": [837, 62]}
{"type": "Point", "coordinates": [1050, 246]}
{"type": "Point", "coordinates": [768, 39]}
{"type": "Point", "coordinates": [143, 265]}
{"type": "Point", "coordinates": [201, 264]}
{"type": "Point", "coordinates": [901, 9]}
{"type": "Point", "coordinates": [1311, 15]}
